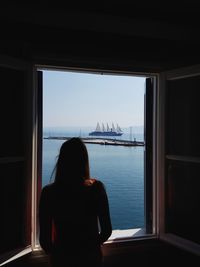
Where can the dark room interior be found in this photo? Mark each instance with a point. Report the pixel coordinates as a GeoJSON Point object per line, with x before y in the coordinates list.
{"type": "Point", "coordinates": [111, 38]}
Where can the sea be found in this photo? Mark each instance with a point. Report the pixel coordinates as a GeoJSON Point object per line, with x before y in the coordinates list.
{"type": "Point", "coordinates": [120, 168]}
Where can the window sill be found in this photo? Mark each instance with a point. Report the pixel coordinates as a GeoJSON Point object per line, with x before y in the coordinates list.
{"type": "Point", "coordinates": [128, 235]}
{"type": "Point", "coordinates": [13, 255]}
{"type": "Point", "coordinates": [121, 236]}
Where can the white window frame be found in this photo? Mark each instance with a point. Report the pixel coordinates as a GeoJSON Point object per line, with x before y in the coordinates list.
{"type": "Point", "coordinates": [117, 236]}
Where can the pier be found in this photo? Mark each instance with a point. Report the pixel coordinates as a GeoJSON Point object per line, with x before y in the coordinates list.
{"type": "Point", "coordinates": [101, 141]}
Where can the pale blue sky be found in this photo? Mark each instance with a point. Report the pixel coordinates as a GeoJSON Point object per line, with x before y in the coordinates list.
{"type": "Point", "coordinates": [82, 99]}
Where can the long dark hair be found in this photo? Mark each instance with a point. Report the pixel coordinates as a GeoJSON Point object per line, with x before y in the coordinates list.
{"type": "Point", "coordinates": [73, 163]}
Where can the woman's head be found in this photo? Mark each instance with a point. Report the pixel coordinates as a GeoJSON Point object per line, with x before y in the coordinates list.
{"type": "Point", "coordinates": [73, 163]}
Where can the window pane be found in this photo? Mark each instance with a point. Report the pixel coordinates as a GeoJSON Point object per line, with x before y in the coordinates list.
{"type": "Point", "coordinates": [12, 111]}
{"type": "Point", "coordinates": [12, 195]}
{"type": "Point", "coordinates": [183, 109]}
{"type": "Point", "coordinates": [182, 199]}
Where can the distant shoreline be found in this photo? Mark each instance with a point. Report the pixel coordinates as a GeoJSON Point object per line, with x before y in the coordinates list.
{"type": "Point", "coordinates": [101, 141]}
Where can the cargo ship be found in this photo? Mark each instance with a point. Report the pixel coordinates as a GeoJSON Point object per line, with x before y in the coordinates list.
{"type": "Point", "coordinates": [106, 131]}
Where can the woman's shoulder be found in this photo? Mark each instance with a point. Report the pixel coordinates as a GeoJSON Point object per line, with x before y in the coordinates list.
{"type": "Point", "coordinates": [47, 189]}
{"type": "Point", "coordinates": [94, 183]}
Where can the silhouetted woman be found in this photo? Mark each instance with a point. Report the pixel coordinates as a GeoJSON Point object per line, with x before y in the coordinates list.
{"type": "Point", "coordinates": [74, 212]}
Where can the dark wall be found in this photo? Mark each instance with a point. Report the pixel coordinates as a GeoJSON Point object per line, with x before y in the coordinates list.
{"type": "Point", "coordinates": [106, 37]}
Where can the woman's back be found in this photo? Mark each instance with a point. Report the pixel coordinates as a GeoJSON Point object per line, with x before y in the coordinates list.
{"type": "Point", "coordinates": [72, 208]}
{"type": "Point", "coordinates": [75, 214]}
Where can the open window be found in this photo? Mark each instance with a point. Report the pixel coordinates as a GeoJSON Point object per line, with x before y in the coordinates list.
{"type": "Point", "coordinates": [180, 154]}
{"type": "Point", "coordinates": [130, 195]}
{"type": "Point", "coordinates": [22, 153]}
{"type": "Point", "coordinates": [15, 157]}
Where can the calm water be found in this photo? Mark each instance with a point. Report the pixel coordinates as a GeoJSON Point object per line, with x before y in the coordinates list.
{"type": "Point", "coordinates": [121, 169]}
